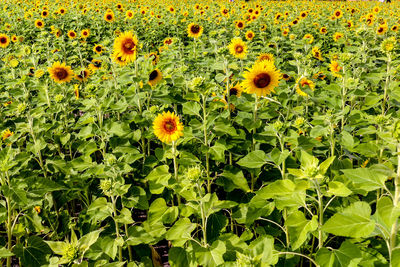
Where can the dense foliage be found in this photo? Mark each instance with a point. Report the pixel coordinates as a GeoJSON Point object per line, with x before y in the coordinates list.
{"type": "Point", "coordinates": [216, 133]}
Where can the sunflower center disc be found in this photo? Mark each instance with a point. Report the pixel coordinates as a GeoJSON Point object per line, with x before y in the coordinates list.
{"type": "Point", "coordinates": [195, 29]}
{"type": "Point", "coordinates": [262, 80]}
{"type": "Point", "coordinates": [129, 46]}
{"type": "Point", "coordinates": [239, 49]}
{"type": "Point", "coordinates": [233, 91]}
{"type": "Point", "coordinates": [170, 126]}
{"type": "Point", "coordinates": [153, 75]}
{"type": "Point", "coordinates": [3, 40]}
{"type": "Point", "coordinates": [61, 74]}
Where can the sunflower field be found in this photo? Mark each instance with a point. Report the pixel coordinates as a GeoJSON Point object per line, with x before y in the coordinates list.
{"type": "Point", "coordinates": [199, 133]}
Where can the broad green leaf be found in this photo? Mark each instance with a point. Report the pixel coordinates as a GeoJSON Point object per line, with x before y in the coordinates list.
{"type": "Point", "coordinates": [348, 255]}
{"type": "Point", "coordinates": [354, 221]}
{"type": "Point", "coordinates": [158, 179]}
{"type": "Point", "coordinates": [365, 179]}
{"type": "Point", "coordinates": [178, 257]}
{"type": "Point", "coordinates": [35, 252]}
{"type": "Point", "coordinates": [262, 251]}
{"type": "Point", "coordinates": [338, 189]}
{"type": "Point", "coordinates": [236, 176]}
{"type": "Point", "coordinates": [215, 224]}
{"type": "Point", "coordinates": [125, 217]}
{"type": "Point", "coordinates": [4, 253]}
{"type": "Point", "coordinates": [298, 227]}
{"type": "Point", "coordinates": [100, 209]}
{"type": "Point", "coordinates": [87, 240]}
{"type": "Point", "coordinates": [211, 256]}
{"type": "Point", "coordinates": [253, 160]}
{"type": "Point", "coordinates": [191, 108]}
{"type": "Point", "coordinates": [386, 215]}
{"type": "Point", "coordinates": [180, 232]}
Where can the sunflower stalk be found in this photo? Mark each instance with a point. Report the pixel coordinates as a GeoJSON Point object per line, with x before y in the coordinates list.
{"type": "Point", "coordinates": [174, 154]}
{"type": "Point", "coordinates": [228, 96]}
{"type": "Point", "coordinates": [253, 146]}
{"type": "Point", "coordinates": [206, 143]}
{"type": "Point", "coordinates": [389, 59]}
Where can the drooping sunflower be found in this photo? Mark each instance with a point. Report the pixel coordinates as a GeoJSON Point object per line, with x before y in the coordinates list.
{"type": "Point", "coordinates": [194, 30]}
{"type": "Point", "coordinates": [261, 79]}
{"type": "Point", "coordinates": [61, 73]}
{"type": "Point", "coordinates": [6, 134]}
{"type": "Point", "coordinates": [71, 34]}
{"type": "Point", "coordinates": [125, 46]}
{"type": "Point", "coordinates": [83, 75]}
{"type": "Point", "coordinates": [39, 23]}
{"type": "Point", "coordinates": [4, 40]}
{"type": "Point", "coordinates": [249, 35]}
{"type": "Point", "coordinates": [337, 36]}
{"type": "Point", "coordinates": [304, 83]}
{"type": "Point", "coordinates": [317, 53]}
{"type": "Point", "coordinates": [266, 56]}
{"type": "Point", "coordinates": [95, 65]}
{"type": "Point", "coordinates": [238, 48]}
{"type": "Point", "coordinates": [155, 77]}
{"type": "Point", "coordinates": [167, 127]}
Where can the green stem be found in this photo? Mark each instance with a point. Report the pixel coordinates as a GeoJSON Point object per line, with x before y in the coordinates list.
{"type": "Point", "coordinates": [9, 223]}
{"type": "Point", "coordinates": [175, 168]}
{"type": "Point", "coordinates": [393, 232]}
{"type": "Point", "coordinates": [116, 227]}
{"type": "Point", "coordinates": [206, 144]}
{"type": "Point", "coordinates": [386, 84]}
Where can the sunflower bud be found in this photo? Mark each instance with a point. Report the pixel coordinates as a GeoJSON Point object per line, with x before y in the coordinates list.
{"type": "Point", "coordinates": [70, 252]}
{"type": "Point", "coordinates": [193, 173]}
{"type": "Point", "coordinates": [278, 125]}
{"type": "Point", "coordinates": [396, 130]}
{"type": "Point", "coordinates": [58, 98]}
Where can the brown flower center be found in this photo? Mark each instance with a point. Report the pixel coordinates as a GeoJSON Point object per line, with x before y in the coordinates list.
{"type": "Point", "coordinates": [337, 14]}
{"type": "Point", "coordinates": [168, 41]}
{"type": "Point", "coordinates": [233, 91]}
{"type": "Point", "coordinates": [195, 29]}
{"type": "Point", "coordinates": [61, 73]}
{"type": "Point", "coordinates": [3, 40]}
{"type": "Point", "coordinates": [129, 46]}
{"type": "Point", "coordinates": [170, 126]}
{"type": "Point", "coordinates": [240, 25]}
{"type": "Point", "coordinates": [98, 48]}
{"type": "Point", "coordinates": [262, 80]}
{"type": "Point", "coordinates": [109, 17]}
{"type": "Point", "coordinates": [153, 75]}
{"type": "Point", "coordinates": [239, 49]}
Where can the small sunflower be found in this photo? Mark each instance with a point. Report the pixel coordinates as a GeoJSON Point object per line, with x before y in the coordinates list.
{"type": "Point", "coordinates": [125, 46]}
{"type": "Point", "coordinates": [6, 134]}
{"type": "Point", "coordinates": [240, 24]}
{"type": "Point", "coordinates": [304, 83]}
{"type": "Point", "coordinates": [44, 14]}
{"type": "Point", "coordinates": [60, 73]}
{"type": "Point", "coordinates": [155, 77]}
{"type": "Point", "coordinates": [238, 48]}
{"type": "Point", "coordinates": [83, 75]}
{"type": "Point", "coordinates": [14, 38]}
{"type": "Point", "coordinates": [85, 33]}
{"type": "Point", "coordinates": [261, 79]}
{"type": "Point", "coordinates": [98, 49]}
{"type": "Point", "coordinates": [4, 40]}
{"type": "Point", "coordinates": [109, 16]}
{"type": "Point", "coordinates": [167, 127]}
{"type": "Point", "coordinates": [129, 14]}
{"type": "Point", "coordinates": [71, 34]}
{"type": "Point", "coordinates": [266, 56]}
{"type": "Point", "coordinates": [381, 29]}
{"type": "Point", "coordinates": [338, 14]}
{"type": "Point", "coordinates": [95, 65]}
{"type": "Point", "coordinates": [194, 30]}
{"type": "Point", "coordinates": [154, 57]}
{"type": "Point", "coordinates": [249, 35]}
{"type": "Point", "coordinates": [235, 90]}
{"type": "Point", "coordinates": [334, 67]}
{"type": "Point", "coordinates": [317, 53]}
{"type": "Point", "coordinates": [323, 30]}
{"type": "Point", "coordinates": [337, 36]}
{"type": "Point", "coordinates": [39, 23]}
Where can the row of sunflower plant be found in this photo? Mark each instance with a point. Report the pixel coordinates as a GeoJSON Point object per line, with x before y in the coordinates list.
{"type": "Point", "coordinates": [209, 133]}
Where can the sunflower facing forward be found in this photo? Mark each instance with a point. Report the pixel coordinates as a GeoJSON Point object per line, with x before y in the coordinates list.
{"type": "Point", "coordinates": [167, 127]}
{"type": "Point", "coordinates": [125, 47]}
{"type": "Point", "coordinates": [261, 79]}
{"type": "Point", "coordinates": [194, 30]}
{"type": "Point", "coordinates": [4, 40]}
{"type": "Point", "coordinates": [238, 48]}
{"type": "Point", "coordinates": [61, 73]}
{"type": "Point", "coordinates": [155, 77]}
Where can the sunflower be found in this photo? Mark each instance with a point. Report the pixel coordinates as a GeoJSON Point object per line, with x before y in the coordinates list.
{"type": "Point", "coordinates": [125, 46]}
{"type": "Point", "coordinates": [60, 73]}
{"type": "Point", "coordinates": [109, 16]}
{"type": "Point", "coordinates": [337, 36]}
{"type": "Point", "coordinates": [338, 14]}
{"type": "Point", "coordinates": [6, 133]}
{"type": "Point", "coordinates": [286, 77]}
{"type": "Point", "coordinates": [154, 57]}
{"type": "Point", "coordinates": [95, 65]}
{"type": "Point", "coordinates": [235, 90]}
{"type": "Point", "coordinates": [317, 53]}
{"type": "Point", "coordinates": [62, 11]}
{"type": "Point", "coordinates": [155, 77]}
{"type": "Point", "coordinates": [240, 24]}
{"type": "Point", "coordinates": [167, 127]}
{"type": "Point", "coordinates": [238, 48]}
{"type": "Point", "coordinates": [381, 29]}
{"type": "Point", "coordinates": [285, 32]}
{"type": "Point", "coordinates": [308, 37]}
{"type": "Point", "coordinates": [249, 35]}
{"type": "Point", "coordinates": [71, 34]}
{"type": "Point", "coordinates": [323, 30]}
{"type": "Point", "coordinates": [83, 75]}
{"type": "Point", "coordinates": [304, 82]}
{"type": "Point", "coordinates": [44, 14]}
{"type": "Point", "coordinates": [85, 33]}
{"type": "Point", "coordinates": [168, 41]}
{"type": "Point", "coordinates": [395, 28]}
{"type": "Point", "coordinates": [334, 67]}
{"type": "Point", "coordinates": [39, 23]}
{"type": "Point", "coordinates": [261, 79]}
{"type": "Point", "coordinates": [129, 14]}
{"type": "Point", "coordinates": [118, 59]}
{"type": "Point", "coordinates": [266, 56]}
{"type": "Point", "coordinates": [4, 40]}
{"type": "Point", "coordinates": [194, 30]}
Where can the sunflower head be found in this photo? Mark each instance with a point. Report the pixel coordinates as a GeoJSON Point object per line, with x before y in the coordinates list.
{"type": "Point", "coordinates": [125, 46]}
{"type": "Point", "coordinates": [109, 16]}
{"type": "Point", "coordinates": [194, 30]}
{"type": "Point", "coordinates": [266, 56]}
{"type": "Point", "coordinates": [234, 90]}
{"type": "Point", "coordinates": [60, 73]}
{"type": "Point", "coordinates": [71, 34]}
{"type": "Point", "coordinates": [261, 79]}
{"type": "Point", "coordinates": [238, 48]}
{"type": "Point", "coordinates": [39, 23]}
{"type": "Point", "coordinates": [249, 35]}
{"type": "Point", "coordinates": [85, 33]}
{"type": "Point", "coordinates": [155, 77]}
{"type": "Point", "coordinates": [167, 127]}
{"type": "Point", "coordinates": [83, 75]}
{"type": "Point", "coordinates": [4, 40]}
{"type": "Point", "coordinates": [6, 134]}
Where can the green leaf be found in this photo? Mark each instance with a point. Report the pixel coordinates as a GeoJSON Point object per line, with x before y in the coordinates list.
{"type": "Point", "coordinates": [157, 210]}
{"type": "Point", "coordinates": [298, 227]}
{"type": "Point", "coordinates": [323, 167]}
{"type": "Point", "coordinates": [211, 256]}
{"type": "Point", "coordinates": [4, 253]}
{"type": "Point", "coordinates": [191, 108]}
{"type": "Point", "coordinates": [180, 232]}
{"type": "Point", "coordinates": [236, 176]}
{"type": "Point", "coordinates": [338, 189]}
{"type": "Point", "coordinates": [34, 254]}
{"type": "Point", "coordinates": [87, 240]}
{"type": "Point", "coordinates": [178, 257]}
{"type": "Point", "coordinates": [215, 224]}
{"type": "Point", "coordinates": [386, 215]}
{"type": "Point", "coordinates": [100, 209]}
{"type": "Point", "coordinates": [253, 160]}
{"type": "Point", "coordinates": [354, 221]}
{"type": "Point", "coordinates": [125, 217]}
{"type": "Point", "coordinates": [262, 251]}
{"type": "Point", "coordinates": [348, 255]}
{"type": "Point", "coordinates": [365, 179]}
{"type": "Point", "coordinates": [158, 179]}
